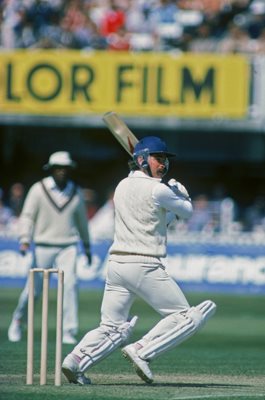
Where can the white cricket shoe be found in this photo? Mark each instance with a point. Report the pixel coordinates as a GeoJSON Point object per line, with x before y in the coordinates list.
{"type": "Point", "coordinates": [141, 366]}
{"type": "Point", "coordinates": [71, 370]}
{"type": "Point", "coordinates": [15, 331]}
{"type": "Point", "coordinates": [68, 338]}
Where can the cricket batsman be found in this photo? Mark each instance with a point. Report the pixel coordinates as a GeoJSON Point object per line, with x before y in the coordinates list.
{"type": "Point", "coordinates": [144, 206]}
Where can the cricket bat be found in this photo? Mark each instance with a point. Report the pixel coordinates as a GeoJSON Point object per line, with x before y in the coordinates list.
{"type": "Point", "coordinates": [120, 131]}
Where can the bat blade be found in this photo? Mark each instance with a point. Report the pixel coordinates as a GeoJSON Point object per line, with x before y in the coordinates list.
{"type": "Point", "coordinates": [120, 131]}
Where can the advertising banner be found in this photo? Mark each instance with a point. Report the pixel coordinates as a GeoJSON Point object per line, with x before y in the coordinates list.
{"type": "Point", "coordinates": [68, 82]}
{"type": "Point", "coordinates": [231, 268]}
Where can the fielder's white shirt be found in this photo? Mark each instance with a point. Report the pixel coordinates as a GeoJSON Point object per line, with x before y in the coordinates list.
{"type": "Point", "coordinates": [60, 196]}
{"type": "Point", "coordinates": [53, 218]}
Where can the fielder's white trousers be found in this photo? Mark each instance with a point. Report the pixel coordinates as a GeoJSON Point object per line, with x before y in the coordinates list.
{"type": "Point", "coordinates": [61, 257]}
{"type": "Point", "coordinates": [124, 282]}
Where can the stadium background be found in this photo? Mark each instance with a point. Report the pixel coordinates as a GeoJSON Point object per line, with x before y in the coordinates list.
{"type": "Point", "coordinates": [207, 105]}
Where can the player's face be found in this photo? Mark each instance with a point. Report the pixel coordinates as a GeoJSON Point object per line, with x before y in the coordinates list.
{"type": "Point", "coordinates": [158, 164]}
{"type": "Point", "coordinates": [60, 175]}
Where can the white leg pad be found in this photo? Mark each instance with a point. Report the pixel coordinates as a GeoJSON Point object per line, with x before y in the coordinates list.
{"type": "Point", "coordinates": [168, 340]}
{"type": "Point", "coordinates": [115, 337]}
{"type": "Point", "coordinates": [207, 308]}
{"type": "Point", "coordinates": [192, 322]}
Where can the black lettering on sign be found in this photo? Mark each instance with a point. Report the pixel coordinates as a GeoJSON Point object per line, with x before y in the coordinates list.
{"type": "Point", "coordinates": [198, 87]}
{"type": "Point", "coordinates": [160, 85]}
{"type": "Point", "coordinates": [9, 88]}
{"type": "Point", "coordinates": [78, 87]}
{"type": "Point", "coordinates": [121, 81]}
{"type": "Point", "coordinates": [39, 69]}
{"type": "Point", "coordinates": [145, 84]}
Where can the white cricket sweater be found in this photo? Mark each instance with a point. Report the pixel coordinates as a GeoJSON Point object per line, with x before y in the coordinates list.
{"type": "Point", "coordinates": [141, 206]}
{"type": "Point", "coordinates": [48, 223]}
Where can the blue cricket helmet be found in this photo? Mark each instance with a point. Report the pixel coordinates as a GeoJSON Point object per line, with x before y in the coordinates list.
{"type": "Point", "coordinates": [152, 145]}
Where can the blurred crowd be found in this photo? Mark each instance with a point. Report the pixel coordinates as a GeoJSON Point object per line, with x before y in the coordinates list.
{"type": "Point", "coordinates": [223, 26]}
{"type": "Point", "coordinates": [211, 215]}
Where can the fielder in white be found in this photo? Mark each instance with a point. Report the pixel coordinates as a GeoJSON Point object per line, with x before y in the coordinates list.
{"type": "Point", "coordinates": [143, 208]}
{"type": "Point", "coordinates": [54, 216]}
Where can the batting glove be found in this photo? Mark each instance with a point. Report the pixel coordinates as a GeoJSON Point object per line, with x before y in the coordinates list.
{"type": "Point", "coordinates": [178, 189]}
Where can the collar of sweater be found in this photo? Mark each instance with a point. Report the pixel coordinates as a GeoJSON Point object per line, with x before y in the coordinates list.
{"type": "Point", "coordinates": [141, 174]}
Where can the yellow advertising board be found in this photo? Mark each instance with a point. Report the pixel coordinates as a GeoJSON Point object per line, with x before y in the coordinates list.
{"type": "Point", "coordinates": [63, 82]}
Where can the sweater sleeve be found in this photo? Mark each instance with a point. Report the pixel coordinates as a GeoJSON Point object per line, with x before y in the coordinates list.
{"type": "Point", "coordinates": [165, 197]}
{"type": "Point", "coordinates": [29, 214]}
{"type": "Point", "coordinates": [82, 221]}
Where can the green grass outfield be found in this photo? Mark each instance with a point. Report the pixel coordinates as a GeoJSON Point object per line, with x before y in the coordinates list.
{"type": "Point", "coordinates": [226, 360]}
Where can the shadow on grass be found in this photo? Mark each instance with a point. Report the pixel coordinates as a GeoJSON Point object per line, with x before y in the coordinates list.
{"type": "Point", "coordinates": [178, 385]}
{"type": "Point", "coordinates": [201, 385]}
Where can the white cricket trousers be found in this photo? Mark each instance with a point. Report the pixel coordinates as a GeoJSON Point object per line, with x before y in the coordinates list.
{"type": "Point", "coordinates": [61, 257]}
{"type": "Point", "coordinates": [124, 282]}
{"type": "Point", "coordinates": [152, 283]}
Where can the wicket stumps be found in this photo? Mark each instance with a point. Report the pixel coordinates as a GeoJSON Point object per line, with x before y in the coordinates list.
{"type": "Point", "coordinates": [44, 326]}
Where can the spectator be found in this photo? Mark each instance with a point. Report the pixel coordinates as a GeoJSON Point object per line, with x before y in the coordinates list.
{"type": "Point", "coordinates": [201, 219]}
{"type": "Point", "coordinates": [164, 13]}
{"type": "Point", "coordinates": [204, 40]}
{"type": "Point", "coordinates": [112, 20]}
{"type": "Point", "coordinates": [5, 213]}
{"type": "Point", "coordinates": [40, 14]}
{"type": "Point", "coordinates": [50, 34]}
{"type": "Point", "coordinates": [90, 198]}
{"type": "Point", "coordinates": [74, 16]}
{"type": "Point", "coordinates": [256, 22]}
{"type": "Point", "coordinates": [227, 215]}
{"type": "Point", "coordinates": [16, 198]}
{"type": "Point", "coordinates": [163, 21]}
{"type": "Point", "coordinates": [236, 40]}
{"type": "Point", "coordinates": [96, 40]}
{"type": "Point", "coordinates": [254, 216]}
{"type": "Point", "coordinates": [136, 20]}
{"type": "Point", "coordinates": [12, 22]}
{"type": "Point", "coordinates": [120, 40]}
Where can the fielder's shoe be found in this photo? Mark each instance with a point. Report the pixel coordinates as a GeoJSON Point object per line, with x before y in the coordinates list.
{"type": "Point", "coordinates": [15, 331]}
{"type": "Point", "coordinates": [68, 338]}
{"type": "Point", "coordinates": [71, 370]}
{"type": "Point", "coordinates": [141, 366]}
